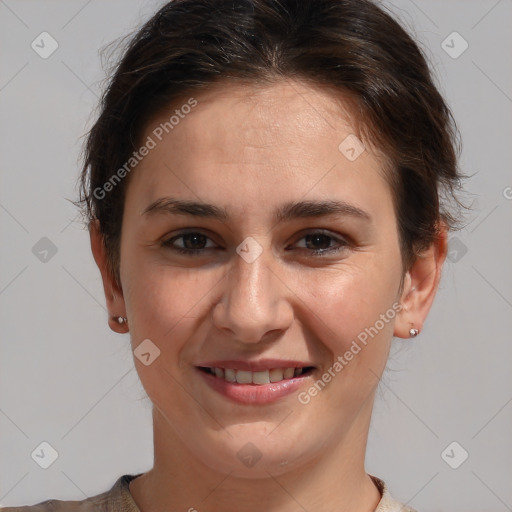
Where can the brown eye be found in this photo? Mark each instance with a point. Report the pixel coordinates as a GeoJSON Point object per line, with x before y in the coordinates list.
{"type": "Point", "coordinates": [320, 243]}
{"type": "Point", "coordinates": [193, 242]}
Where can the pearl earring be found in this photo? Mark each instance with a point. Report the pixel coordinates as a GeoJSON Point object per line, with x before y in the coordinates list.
{"type": "Point", "coordinates": [121, 320]}
{"type": "Point", "coordinates": [413, 333]}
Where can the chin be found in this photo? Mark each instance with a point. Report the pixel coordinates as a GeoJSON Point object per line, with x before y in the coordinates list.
{"type": "Point", "coordinates": [255, 450]}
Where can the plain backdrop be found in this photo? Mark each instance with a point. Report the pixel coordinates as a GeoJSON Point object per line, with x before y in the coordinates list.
{"type": "Point", "coordinates": [67, 380]}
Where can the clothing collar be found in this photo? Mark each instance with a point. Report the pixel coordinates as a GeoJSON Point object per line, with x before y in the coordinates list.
{"type": "Point", "coordinates": [122, 500]}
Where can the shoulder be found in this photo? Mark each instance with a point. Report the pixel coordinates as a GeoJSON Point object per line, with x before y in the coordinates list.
{"type": "Point", "coordinates": [387, 502]}
{"type": "Point", "coordinates": [52, 505]}
{"type": "Point", "coordinates": [116, 499]}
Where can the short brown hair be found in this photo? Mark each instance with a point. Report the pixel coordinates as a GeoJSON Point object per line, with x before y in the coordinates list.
{"type": "Point", "coordinates": [350, 46]}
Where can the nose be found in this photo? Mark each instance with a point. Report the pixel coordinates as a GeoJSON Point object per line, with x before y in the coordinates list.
{"type": "Point", "coordinates": [254, 307]}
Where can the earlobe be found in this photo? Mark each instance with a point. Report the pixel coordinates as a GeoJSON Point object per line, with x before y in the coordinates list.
{"type": "Point", "coordinates": [420, 288]}
{"type": "Point", "coordinates": [113, 292]}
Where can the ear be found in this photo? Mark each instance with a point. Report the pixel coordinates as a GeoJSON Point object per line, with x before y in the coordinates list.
{"type": "Point", "coordinates": [420, 286]}
{"type": "Point", "coordinates": [113, 292]}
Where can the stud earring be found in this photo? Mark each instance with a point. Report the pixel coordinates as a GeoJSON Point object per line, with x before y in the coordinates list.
{"type": "Point", "coordinates": [413, 333]}
{"type": "Point", "coordinates": [122, 320]}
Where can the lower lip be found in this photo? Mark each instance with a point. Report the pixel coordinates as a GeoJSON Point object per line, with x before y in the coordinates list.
{"type": "Point", "coordinates": [254, 393]}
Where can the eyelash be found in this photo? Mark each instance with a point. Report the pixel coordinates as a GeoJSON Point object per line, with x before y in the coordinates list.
{"type": "Point", "coordinates": [343, 244]}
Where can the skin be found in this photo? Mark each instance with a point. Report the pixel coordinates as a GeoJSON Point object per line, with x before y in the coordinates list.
{"type": "Point", "coordinates": [250, 150]}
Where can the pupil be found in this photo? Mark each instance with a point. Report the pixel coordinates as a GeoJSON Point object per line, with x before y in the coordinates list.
{"type": "Point", "coordinates": [320, 237]}
{"type": "Point", "coordinates": [194, 237]}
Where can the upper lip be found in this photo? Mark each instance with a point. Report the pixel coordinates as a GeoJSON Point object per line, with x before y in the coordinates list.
{"type": "Point", "coordinates": [255, 366]}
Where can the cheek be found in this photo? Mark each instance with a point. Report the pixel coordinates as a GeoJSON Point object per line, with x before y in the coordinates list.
{"type": "Point", "coordinates": [354, 320]}
{"type": "Point", "coordinates": [165, 306]}
{"type": "Point", "coordinates": [353, 298]}
{"type": "Point", "coordinates": [162, 297]}
{"type": "Point", "coordinates": [168, 304]}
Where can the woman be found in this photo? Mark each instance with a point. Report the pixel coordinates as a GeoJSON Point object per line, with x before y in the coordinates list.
{"type": "Point", "coordinates": [263, 189]}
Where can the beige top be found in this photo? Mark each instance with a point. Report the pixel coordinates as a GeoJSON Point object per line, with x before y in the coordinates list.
{"type": "Point", "coordinates": [119, 499]}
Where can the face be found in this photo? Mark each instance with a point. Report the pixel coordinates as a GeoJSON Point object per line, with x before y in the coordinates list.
{"type": "Point", "coordinates": [262, 279]}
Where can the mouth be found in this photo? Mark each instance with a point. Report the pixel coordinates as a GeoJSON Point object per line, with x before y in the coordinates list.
{"type": "Point", "coordinates": [255, 383]}
{"type": "Point", "coordinates": [258, 378]}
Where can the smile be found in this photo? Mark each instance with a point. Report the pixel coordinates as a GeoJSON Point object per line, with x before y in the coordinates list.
{"type": "Point", "coordinates": [255, 387]}
{"type": "Point", "coordinates": [258, 378]}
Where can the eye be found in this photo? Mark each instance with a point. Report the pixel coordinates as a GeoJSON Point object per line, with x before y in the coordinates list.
{"type": "Point", "coordinates": [317, 243]}
{"type": "Point", "coordinates": [193, 243]}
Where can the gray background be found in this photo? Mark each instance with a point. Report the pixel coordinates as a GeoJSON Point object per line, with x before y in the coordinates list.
{"type": "Point", "coordinates": [65, 378]}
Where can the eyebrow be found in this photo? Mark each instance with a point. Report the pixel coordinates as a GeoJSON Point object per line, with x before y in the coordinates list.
{"type": "Point", "coordinates": [288, 211]}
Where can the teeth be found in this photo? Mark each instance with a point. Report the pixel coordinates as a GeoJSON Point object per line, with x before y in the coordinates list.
{"type": "Point", "coordinates": [264, 377]}
{"type": "Point", "coordinates": [276, 374]}
{"type": "Point", "coordinates": [288, 373]}
{"type": "Point", "coordinates": [243, 377]}
{"type": "Point", "coordinates": [229, 375]}
{"type": "Point", "coordinates": [261, 377]}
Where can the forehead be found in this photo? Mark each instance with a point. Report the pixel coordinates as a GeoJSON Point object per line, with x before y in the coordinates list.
{"type": "Point", "coordinates": [263, 116]}
{"type": "Point", "coordinates": [256, 140]}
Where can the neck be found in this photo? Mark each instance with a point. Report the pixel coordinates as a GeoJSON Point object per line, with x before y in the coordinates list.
{"type": "Point", "coordinates": [335, 480]}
